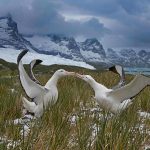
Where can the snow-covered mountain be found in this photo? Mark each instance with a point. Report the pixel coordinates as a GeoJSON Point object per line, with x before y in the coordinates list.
{"type": "Point", "coordinates": [90, 51]}
{"type": "Point", "coordinates": [129, 57]}
{"type": "Point", "coordinates": [56, 45]}
{"type": "Point", "coordinates": [10, 37]}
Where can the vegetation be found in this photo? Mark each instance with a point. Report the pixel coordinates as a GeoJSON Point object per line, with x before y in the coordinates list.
{"type": "Point", "coordinates": [75, 122]}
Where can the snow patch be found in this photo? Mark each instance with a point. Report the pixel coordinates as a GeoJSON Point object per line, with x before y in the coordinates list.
{"type": "Point", "coordinates": [144, 114]}
{"type": "Point", "coordinates": [10, 55]}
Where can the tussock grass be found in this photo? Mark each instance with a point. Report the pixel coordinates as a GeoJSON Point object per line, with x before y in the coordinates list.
{"type": "Point", "coordinates": [75, 122]}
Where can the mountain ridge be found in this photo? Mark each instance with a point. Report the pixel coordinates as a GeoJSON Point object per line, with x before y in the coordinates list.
{"type": "Point", "coordinates": [90, 51]}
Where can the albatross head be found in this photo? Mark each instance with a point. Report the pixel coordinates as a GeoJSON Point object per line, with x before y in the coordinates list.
{"type": "Point", "coordinates": [86, 78]}
{"type": "Point", "coordinates": [62, 73]}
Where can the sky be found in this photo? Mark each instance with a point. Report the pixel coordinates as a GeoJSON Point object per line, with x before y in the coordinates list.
{"type": "Point", "coordinates": [116, 23]}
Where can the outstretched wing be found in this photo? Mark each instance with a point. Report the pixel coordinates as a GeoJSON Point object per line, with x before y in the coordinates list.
{"type": "Point", "coordinates": [130, 90]}
{"type": "Point", "coordinates": [119, 85]}
{"type": "Point", "coordinates": [118, 70]}
{"type": "Point", "coordinates": [31, 88]}
{"type": "Point", "coordinates": [34, 63]}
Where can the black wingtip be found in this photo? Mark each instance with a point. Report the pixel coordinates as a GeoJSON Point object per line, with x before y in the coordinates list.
{"type": "Point", "coordinates": [113, 69]}
{"type": "Point", "coordinates": [38, 61]}
{"type": "Point", "coordinates": [21, 55]}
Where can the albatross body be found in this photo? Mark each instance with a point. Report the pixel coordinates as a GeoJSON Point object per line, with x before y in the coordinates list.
{"type": "Point", "coordinates": [119, 99]}
{"type": "Point", "coordinates": [41, 96]}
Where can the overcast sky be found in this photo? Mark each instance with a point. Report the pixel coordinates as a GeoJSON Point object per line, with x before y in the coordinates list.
{"type": "Point", "coordinates": [116, 23]}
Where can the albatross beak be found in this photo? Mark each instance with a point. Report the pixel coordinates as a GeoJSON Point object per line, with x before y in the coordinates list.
{"type": "Point", "coordinates": [70, 73]}
{"type": "Point", "coordinates": [79, 75]}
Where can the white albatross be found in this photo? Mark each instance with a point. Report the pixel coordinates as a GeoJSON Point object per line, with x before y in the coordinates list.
{"type": "Point", "coordinates": [42, 96]}
{"type": "Point", "coordinates": [116, 100]}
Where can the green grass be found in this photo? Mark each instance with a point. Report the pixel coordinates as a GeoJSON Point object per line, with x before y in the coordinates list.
{"type": "Point", "coordinates": [54, 131]}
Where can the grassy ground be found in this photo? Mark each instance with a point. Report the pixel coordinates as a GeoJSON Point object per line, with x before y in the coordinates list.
{"type": "Point", "coordinates": [75, 122]}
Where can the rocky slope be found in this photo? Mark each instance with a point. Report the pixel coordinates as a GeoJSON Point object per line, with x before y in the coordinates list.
{"type": "Point", "coordinates": [10, 37]}
{"type": "Point", "coordinates": [129, 57]}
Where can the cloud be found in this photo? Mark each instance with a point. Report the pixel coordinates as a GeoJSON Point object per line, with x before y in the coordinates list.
{"type": "Point", "coordinates": [116, 22]}
{"type": "Point", "coordinates": [95, 7]}
{"type": "Point", "coordinates": [130, 20]}
{"type": "Point", "coordinates": [43, 17]}
{"type": "Point", "coordinates": [91, 28]}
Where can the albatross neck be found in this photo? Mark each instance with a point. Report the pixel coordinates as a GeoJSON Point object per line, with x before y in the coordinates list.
{"type": "Point", "coordinates": [94, 84]}
{"type": "Point", "coordinates": [52, 81]}
{"type": "Point", "coordinates": [97, 86]}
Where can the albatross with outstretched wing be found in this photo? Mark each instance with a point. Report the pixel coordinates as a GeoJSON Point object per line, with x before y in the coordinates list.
{"type": "Point", "coordinates": [41, 95]}
{"type": "Point", "coordinates": [114, 100]}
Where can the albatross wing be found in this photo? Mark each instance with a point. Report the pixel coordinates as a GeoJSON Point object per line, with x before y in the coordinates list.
{"type": "Point", "coordinates": [118, 70]}
{"type": "Point", "coordinates": [34, 63]}
{"type": "Point", "coordinates": [31, 88]}
{"type": "Point", "coordinates": [130, 90]}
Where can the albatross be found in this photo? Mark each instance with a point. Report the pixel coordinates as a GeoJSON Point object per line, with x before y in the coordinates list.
{"type": "Point", "coordinates": [41, 96]}
{"type": "Point", "coordinates": [116, 100]}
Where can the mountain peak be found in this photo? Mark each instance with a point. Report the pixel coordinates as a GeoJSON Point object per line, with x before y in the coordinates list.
{"type": "Point", "coordinates": [92, 41]}
{"type": "Point", "coordinates": [6, 21]}
{"type": "Point", "coordinates": [94, 46]}
{"type": "Point", "coordinates": [128, 52]}
{"type": "Point", "coordinates": [142, 53]}
{"type": "Point", "coordinates": [8, 25]}
{"type": "Point", "coordinates": [7, 17]}
{"type": "Point", "coordinates": [9, 35]}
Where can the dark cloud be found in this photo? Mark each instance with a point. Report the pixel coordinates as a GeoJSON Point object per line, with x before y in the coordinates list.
{"type": "Point", "coordinates": [91, 28]}
{"type": "Point", "coordinates": [43, 17]}
{"type": "Point", "coordinates": [95, 7]}
{"type": "Point", "coordinates": [134, 7]}
{"type": "Point", "coordinates": [128, 25]}
{"type": "Point", "coordinates": [132, 17]}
